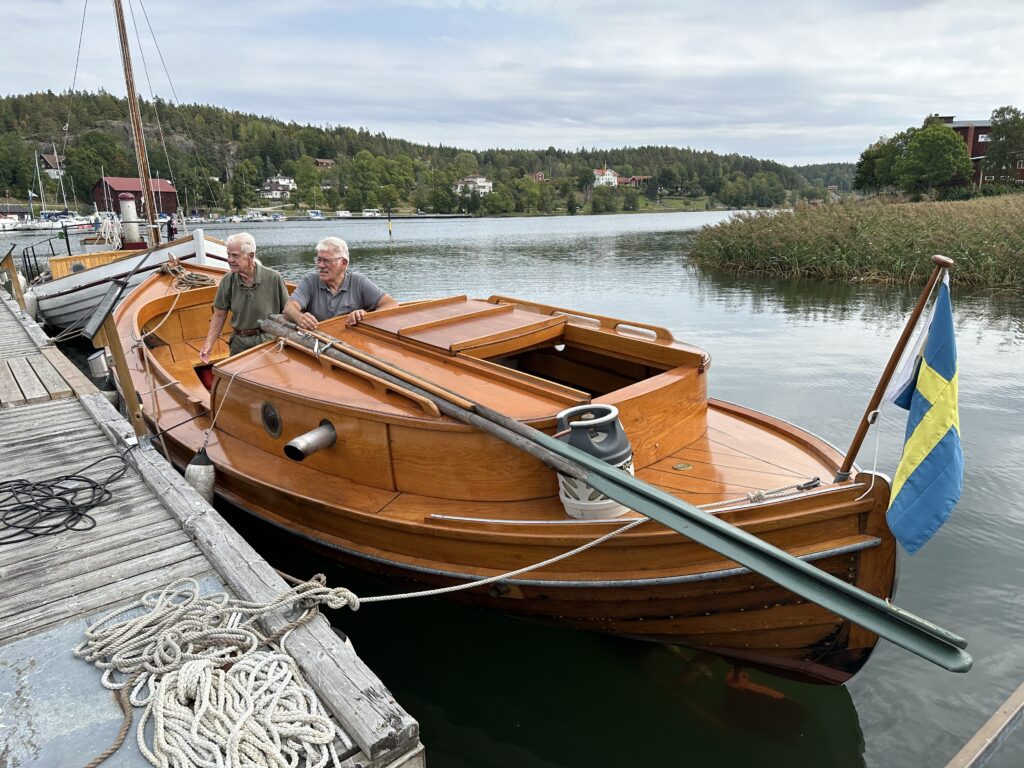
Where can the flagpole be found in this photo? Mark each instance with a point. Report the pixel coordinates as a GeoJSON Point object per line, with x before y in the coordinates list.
{"type": "Point", "coordinates": [941, 263]}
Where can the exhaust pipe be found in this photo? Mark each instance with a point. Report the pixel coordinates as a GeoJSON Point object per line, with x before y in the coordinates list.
{"type": "Point", "coordinates": [307, 444]}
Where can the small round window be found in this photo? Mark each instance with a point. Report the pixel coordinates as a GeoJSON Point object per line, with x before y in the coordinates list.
{"type": "Point", "coordinates": [271, 420]}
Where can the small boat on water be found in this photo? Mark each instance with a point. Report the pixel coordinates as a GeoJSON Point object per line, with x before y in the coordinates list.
{"type": "Point", "coordinates": [75, 284]}
{"type": "Point", "coordinates": [386, 482]}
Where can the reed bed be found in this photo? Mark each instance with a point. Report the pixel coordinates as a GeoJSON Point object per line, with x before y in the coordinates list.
{"type": "Point", "coordinates": [874, 241]}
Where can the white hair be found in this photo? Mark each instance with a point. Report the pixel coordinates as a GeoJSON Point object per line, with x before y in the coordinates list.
{"type": "Point", "coordinates": [334, 245]}
{"type": "Point", "coordinates": [245, 240]}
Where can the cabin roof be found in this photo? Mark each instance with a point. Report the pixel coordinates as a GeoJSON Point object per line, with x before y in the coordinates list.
{"type": "Point", "coordinates": [128, 184]}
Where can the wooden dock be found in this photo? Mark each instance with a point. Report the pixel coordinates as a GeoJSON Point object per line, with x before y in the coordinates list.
{"type": "Point", "coordinates": [155, 530]}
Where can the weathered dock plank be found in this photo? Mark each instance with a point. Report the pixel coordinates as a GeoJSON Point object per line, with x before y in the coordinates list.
{"type": "Point", "coordinates": [49, 377]}
{"type": "Point", "coordinates": [10, 392]}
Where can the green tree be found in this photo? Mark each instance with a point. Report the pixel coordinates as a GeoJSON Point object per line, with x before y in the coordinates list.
{"type": "Point", "coordinates": [935, 157]}
{"type": "Point", "coordinates": [500, 201]}
{"type": "Point", "coordinates": [631, 200]}
{"type": "Point", "coordinates": [865, 176]}
{"type": "Point", "coordinates": [572, 205]}
{"type": "Point", "coordinates": [604, 200]}
{"type": "Point", "coordinates": [736, 192]}
{"type": "Point", "coordinates": [243, 184]}
{"type": "Point", "coordinates": [465, 164]}
{"type": "Point", "coordinates": [1006, 142]}
{"type": "Point", "coordinates": [584, 178]}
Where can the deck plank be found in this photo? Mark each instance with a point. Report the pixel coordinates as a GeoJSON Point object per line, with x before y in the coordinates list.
{"type": "Point", "coordinates": [50, 378]}
{"type": "Point", "coordinates": [28, 382]}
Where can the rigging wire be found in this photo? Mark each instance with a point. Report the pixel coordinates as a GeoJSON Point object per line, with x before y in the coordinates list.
{"type": "Point", "coordinates": [74, 79]}
{"type": "Point", "coordinates": [176, 101]}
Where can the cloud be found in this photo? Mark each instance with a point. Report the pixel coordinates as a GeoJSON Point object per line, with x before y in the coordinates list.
{"type": "Point", "coordinates": [803, 82]}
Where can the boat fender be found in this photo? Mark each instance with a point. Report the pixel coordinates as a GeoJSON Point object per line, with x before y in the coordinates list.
{"type": "Point", "coordinates": [31, 304]}
{"type": "Point", "coordinates": [594, 429]}
{"type": "Point", "coordinates": [200, 474]}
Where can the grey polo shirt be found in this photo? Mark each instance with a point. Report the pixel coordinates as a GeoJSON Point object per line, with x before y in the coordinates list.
{"type": "Point", "coordinates": [356, 292]}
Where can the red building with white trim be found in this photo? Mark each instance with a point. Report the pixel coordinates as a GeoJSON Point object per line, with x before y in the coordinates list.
{"type": "Point", "coordinates": [977, 134]}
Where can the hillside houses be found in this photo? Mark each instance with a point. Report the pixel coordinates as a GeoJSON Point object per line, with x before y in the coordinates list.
{"type": "Point", "coordinates": [606, 177]}
{"type": "Point", "coordinates": [476, 183]}
{"type": "Point", "coordinates": [278, 188]}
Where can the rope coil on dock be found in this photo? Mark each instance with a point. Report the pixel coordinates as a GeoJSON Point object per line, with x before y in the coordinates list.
{"type": "Point", "coordinates": [201, 668]}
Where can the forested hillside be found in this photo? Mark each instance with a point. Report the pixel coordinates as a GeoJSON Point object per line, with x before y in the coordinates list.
{"type": "Point", "coordinates": [219, 158]}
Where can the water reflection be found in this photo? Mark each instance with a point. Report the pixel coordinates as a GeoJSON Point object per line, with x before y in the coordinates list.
{"type": "Point", "coordinates": [495, 691]}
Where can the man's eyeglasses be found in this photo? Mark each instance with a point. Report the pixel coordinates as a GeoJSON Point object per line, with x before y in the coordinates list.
{"type": "Point", "coordinates": [326, 259]}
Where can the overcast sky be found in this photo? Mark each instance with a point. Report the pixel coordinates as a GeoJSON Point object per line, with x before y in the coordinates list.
{"type": "Point", "coordinates": [798, 82]}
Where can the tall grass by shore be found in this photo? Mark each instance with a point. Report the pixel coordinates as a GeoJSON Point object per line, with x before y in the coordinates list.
{"type": "Point", "coordinates": [873, 241]}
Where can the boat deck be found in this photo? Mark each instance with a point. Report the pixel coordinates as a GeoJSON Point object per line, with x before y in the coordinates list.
{"type": "Point", "coordinates": [154, 531]}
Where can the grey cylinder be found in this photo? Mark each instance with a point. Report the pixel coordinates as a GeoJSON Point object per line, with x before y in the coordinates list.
{"type": "Point", "coordinates": [308, 443]}
{"type": "Point", "coordinates": [594, 429]}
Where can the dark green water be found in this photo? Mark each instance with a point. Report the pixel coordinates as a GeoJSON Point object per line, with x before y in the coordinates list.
{"type": "Point", "coordinates": [490, 691]}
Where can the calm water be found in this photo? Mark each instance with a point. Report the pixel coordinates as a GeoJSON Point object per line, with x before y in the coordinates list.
{"type": "Point", "coordinates": [490, 691]}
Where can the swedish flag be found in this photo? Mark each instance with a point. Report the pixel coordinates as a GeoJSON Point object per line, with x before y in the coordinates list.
{"type": "Point", "coordinates": [931, 473]}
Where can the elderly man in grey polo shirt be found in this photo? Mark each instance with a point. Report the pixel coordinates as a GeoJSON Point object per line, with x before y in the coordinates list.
{"type": "Point", "coordinates": [333, 290]}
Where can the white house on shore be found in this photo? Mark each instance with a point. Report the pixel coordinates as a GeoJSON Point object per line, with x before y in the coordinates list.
{"type": "Point", "coordinates": [471, 183]}
{"type": "Point", "coordinates": [278, 188]}
{"type": "Point", "coordinates": [605, 177]}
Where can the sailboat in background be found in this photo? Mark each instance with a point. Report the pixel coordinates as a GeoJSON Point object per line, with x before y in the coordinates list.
{"type": "Point", "coordinates": [68, 292]}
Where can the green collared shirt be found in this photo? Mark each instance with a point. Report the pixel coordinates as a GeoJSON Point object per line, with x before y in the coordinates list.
{"type": "Point", "coordinates": [250, 304]}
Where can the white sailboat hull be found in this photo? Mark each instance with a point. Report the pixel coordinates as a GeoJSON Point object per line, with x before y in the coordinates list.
{"type": "Point", "coordinates": [64, 302]}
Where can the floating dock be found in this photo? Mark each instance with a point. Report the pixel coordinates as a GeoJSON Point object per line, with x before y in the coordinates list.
{"type": "Point", "coordinates": [154, 531]}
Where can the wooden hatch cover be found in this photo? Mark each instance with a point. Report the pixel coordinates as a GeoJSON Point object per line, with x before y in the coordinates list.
{"type": "Point", "coordinates": [460, 324]}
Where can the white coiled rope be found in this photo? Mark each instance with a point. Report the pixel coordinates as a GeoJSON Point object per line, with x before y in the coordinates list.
{"type": "Point", "coordinates": [220, 695]}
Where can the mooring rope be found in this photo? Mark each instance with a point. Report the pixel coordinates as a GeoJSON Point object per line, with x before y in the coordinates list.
{"type": "Point", "coordinates": [219, 691]}
{"type": "Point", "coordinates": [46, 507]}
{"type": "Point", "coordinates": [185, 280]}
{"type": "Point", "coordinates": [754, 496]}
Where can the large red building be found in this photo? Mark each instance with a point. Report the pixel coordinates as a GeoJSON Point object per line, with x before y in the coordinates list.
{"type": "Point", "coordinates": [977, 134]}
{"type": "Point", "coordinates": [106, 190]}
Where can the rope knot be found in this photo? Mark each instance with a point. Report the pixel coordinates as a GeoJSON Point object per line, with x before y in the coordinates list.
{"type": "Point", "coordinates": [339, 597]}
{"type": "Point", "coordinates": [757, 496]}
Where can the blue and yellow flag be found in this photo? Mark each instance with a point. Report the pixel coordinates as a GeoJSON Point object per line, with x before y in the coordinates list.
{"type": "Point", "coordinates": [931, 473]}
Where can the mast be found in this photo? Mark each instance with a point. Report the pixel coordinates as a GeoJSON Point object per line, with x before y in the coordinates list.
{"type": "Point", "coordinates": [42, 193]}
{"type": "Point", "coordinates": [141, 159]}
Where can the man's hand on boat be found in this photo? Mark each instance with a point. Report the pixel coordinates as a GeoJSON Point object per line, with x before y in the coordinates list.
{"type": "Point", "coordinates": [306, 321]}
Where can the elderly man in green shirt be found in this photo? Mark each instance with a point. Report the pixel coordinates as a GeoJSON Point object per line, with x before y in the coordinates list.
{"type": "Point", "coordinates": [251, 292]}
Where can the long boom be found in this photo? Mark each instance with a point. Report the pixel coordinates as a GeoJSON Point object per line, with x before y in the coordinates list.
{"type": "Point", "coordinates": [905, 629]}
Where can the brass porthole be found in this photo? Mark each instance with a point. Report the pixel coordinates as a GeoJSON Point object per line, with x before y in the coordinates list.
{"type": "Point", "coordinates": [271, 420]}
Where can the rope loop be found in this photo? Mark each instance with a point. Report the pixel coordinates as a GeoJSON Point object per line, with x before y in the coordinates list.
{"type": "Point", "coordinates": [219, 690]}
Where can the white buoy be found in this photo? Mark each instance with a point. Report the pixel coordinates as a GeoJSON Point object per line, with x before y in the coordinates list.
{"type": "Point", "coordinates": [200, 474]}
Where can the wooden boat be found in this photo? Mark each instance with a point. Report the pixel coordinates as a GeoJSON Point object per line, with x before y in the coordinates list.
{"type": "Point", "coordinates": [409, 493]}
{"type": "Point", "coordinates": [78, 282]}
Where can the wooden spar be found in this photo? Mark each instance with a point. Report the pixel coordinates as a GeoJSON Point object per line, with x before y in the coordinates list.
{"type": "Point", "coordinates": [141, 157]}
{"type": "Point", "coordinates": [941, 263]}
{"type": "Point", "coordinates": [906, 630]}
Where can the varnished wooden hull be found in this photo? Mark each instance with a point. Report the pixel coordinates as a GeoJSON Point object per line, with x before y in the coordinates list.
{"type": "Point", "coordinates": [415, 497]}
